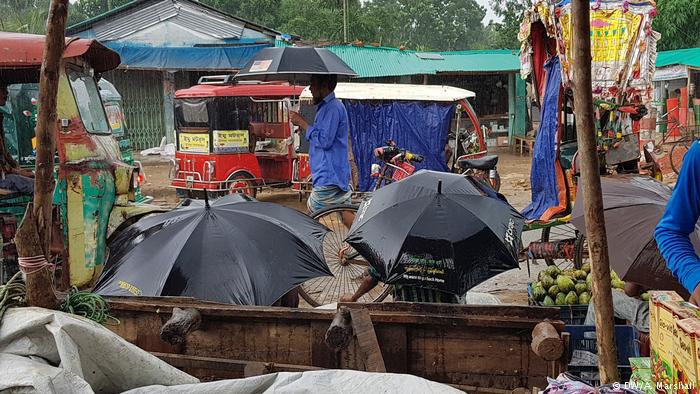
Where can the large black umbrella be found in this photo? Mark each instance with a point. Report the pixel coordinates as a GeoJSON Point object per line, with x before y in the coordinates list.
{"type": "Point", "coordinates": [295, 64]}
{"type": "Point", "coordinates": [633, 205]}
{"type": "Point", "coordinates": [235, 251]}
{"type": "Point", "coordinates": [437, 230]}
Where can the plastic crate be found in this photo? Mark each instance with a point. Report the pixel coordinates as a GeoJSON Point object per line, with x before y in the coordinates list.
{"type": "Point", "coordinates": [583, 340]}
{"type": "Point", "coordinates": [569, 314]}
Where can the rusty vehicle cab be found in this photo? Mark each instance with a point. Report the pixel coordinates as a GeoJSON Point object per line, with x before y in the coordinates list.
{"type": "Point", "coordinates": [94, 192]}
{"type": "Point", "coordinates": [233, 137]}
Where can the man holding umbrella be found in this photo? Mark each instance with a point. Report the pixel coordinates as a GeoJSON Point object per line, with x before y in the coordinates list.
{"type": "Point", "coordinates": [328, 147]}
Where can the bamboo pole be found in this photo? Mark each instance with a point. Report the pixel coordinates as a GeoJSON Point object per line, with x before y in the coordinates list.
{"type": "Point", "coordinates": [592, 194]}
{"type": "Point", "coordinates": [34, 235]}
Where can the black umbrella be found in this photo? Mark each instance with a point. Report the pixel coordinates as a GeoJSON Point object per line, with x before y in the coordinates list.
{"type": "Point", "coordinates": [294, 64]}
{"type": "Point", "coordinates": [437, 230]}
{"type": "Point", "coordinates": [633, 205]}
{"type": "Point", "coordinates": [235, 251]}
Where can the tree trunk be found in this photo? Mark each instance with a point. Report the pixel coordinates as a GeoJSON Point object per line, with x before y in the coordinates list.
{"type": "Point", "coordinates": [34, 236]}
{"type": "Point", "coordinates": [546, 342]}
{"type": "Point", "coordinates": [592, 194]}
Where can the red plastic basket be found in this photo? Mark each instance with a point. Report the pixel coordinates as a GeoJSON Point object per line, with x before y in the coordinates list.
{"type": "Point", "coordinates": [399, 175]}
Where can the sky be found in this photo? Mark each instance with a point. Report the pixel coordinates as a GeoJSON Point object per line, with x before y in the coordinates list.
{"type": "Point", "coordinates": [489, 12]}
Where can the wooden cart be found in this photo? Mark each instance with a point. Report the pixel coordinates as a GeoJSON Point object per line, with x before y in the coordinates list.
{"type": "Point", "coordinates": [467, 347]}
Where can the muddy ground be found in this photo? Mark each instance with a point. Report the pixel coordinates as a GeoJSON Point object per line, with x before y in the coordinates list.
{"type": "Point", "coordinates": [509, 287]}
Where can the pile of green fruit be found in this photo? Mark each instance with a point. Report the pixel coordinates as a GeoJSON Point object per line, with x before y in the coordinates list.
{"type": "Point", "coordinates": [568, 287]}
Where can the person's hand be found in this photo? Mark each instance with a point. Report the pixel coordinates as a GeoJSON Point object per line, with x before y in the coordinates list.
{"type": "Point", "coordinates": [298, 120]}
{"type": "Point", "coordinates": [695, 297]}
{"type": "Point", "coordinates": [23, 172]}
{"type": "Point", "coordinates": [346, 298]}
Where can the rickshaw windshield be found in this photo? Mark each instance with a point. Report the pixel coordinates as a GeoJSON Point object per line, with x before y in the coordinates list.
{"type": "Point", "coordinates": [87, 97]}
{"type": "Point", "coordinates": [220, 113]}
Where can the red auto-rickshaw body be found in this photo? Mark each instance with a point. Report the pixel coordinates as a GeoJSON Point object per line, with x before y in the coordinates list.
{"type": "Point", "coordinates": [234, 137]}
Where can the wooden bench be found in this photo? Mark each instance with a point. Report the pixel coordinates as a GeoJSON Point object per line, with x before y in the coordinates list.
{"type": "Point", "coordinates": [524, 142]}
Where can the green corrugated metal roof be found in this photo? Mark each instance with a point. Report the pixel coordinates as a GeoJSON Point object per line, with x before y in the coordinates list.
{"type": "Point", "coordinates": [371, 62]}
{"type": "Point", "coordinates": [383, 62]}
{"type": "Point", "coordinates": [687, 57]}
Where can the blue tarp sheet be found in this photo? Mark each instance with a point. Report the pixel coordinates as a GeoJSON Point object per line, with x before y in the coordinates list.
{"type": "Point", "coordinates": [543, 176]}
{"type": "Point", "coordinates": [201, 58]}
{"type": "Point", "coordinates": [421, 128]}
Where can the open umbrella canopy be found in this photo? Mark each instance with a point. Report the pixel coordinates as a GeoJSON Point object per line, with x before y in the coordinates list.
{"type": "Point", "coordinates": [633, 205]}
{"type": "Point", "coordinates": [294, 64]}
{"type": "Point", "coordinates": [437, 230]}
{"type": "Point", "coordinates": [235, 251]}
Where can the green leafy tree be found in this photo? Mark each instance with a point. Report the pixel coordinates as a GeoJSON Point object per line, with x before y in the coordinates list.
{"type": "Point", "coordinates": [262, 12]}
{"type": "Point", "coordinates": [428, 24]}
{"type": "Point", "coordinates": [24, 16]}
{"type": "Point", "coordinates": [678, 21]}
{"type": "Point", "coordinates": [86, 9]}
{"type": "Point", "coordinates": [504, 34]}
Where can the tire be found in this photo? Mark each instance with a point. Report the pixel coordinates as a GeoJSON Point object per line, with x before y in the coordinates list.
{"type": "Point", "coordinates": [347, 275]}
{"type": "Point", "coordinates": [238, 181]}
{"type": "Point", "coordinates": [677, 154]}
{"type": "Point", "coordinates": [565, 231]}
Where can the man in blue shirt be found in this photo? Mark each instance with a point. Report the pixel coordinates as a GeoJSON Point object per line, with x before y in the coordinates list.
{"type": "Point", "coordinates": [328, 146]}
{"type": "Point", "coordinates": [678, 222]}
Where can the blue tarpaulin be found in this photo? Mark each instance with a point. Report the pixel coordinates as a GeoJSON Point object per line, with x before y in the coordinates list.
{"type": "Point", "coordinates": [543, 176]}
{"type": "Point", "coordinates": [143, 56]}
{"type": "Point", "coordinates": [419, 127]}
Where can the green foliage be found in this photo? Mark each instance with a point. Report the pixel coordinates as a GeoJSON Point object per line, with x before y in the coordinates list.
{"type": "Point", "coordinates": [24, 16]}
{"type": "Point", "coordinates": [678, 21]}
{"type": "Point", "coordinates": [504, 34]}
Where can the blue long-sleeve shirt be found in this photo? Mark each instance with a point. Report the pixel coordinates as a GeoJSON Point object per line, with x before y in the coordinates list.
{"type": "Point", "coordinates": [682, 212]}
{"type": "Point", "coordinates": [328, 145]}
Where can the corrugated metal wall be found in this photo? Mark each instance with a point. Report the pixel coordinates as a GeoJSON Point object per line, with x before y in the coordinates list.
{"type": "Point", "coordinates": [142, 93]}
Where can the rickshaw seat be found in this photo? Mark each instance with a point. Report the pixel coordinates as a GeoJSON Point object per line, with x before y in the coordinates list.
{"type": "Point", "coordinates": [484, 163]}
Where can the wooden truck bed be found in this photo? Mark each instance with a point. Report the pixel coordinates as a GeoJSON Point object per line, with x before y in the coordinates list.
{"type": "Point", "coordinates": [465, 346]}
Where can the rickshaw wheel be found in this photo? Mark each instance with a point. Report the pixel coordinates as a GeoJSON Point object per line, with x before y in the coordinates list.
{"type": "Point", "coordinates": [347, 266]}
{"type": "Point", "coordinates": [562, 232]}
{"type": "Point", "coordinates": [241, 184]}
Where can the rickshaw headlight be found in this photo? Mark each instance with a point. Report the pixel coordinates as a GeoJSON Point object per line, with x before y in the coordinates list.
{"type": "Point", "coordinates": [375, 169]}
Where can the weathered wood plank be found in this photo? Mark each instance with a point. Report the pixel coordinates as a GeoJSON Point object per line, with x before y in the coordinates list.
{"type": "Point", "coordinates": [393, 341]}
{"type": "Point", "coordinates": [531, 312]}
{"type": "Point", "coordinates": [210, 368]}
{"type": "Point", "coordinates": [367, 340]}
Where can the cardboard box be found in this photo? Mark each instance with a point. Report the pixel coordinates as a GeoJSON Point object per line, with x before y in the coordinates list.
{"type": "Point", "coordinates": [667, 314]}
{"type": "Point", "coordinates": [655, 299]}
{"type": "Point", "coordinates": [641, 375]}
{"type": "Point", "coordinates": [502, 141]}
{"type": "Point", "coordinates": [685, 374]}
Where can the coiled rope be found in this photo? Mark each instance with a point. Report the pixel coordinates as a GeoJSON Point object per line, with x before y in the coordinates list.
{"type": "Point", "coordinates": [89, 305]}
{"type": "Point", "coordinates": [12, 294]}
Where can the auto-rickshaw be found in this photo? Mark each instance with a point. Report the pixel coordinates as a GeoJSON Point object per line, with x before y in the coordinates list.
{"type": "Point", "coordinates": [95, 190]}
{"type": "Point", "coordinates": [114, 108]}
{"type": "Point", "coordinates": [466, 138]}
{"type": "Point", "coordinates": [233, 137]}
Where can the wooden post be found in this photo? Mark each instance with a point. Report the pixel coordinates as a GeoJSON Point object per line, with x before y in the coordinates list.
{"type": "Point", "coordinates": [592, 194]}
{"type": "Point", "coordinates": [180, 325]}
{"type": "Point", "coordinates": [546, 342]}
{"type": "Point", "coordinates": [34, 235]}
